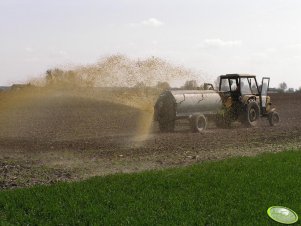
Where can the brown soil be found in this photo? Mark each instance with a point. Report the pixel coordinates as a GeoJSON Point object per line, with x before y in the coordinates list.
{"type": "Point", "coordinates": [58, 137]}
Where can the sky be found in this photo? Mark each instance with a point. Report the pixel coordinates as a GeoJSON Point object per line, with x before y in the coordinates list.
{"type": "Point", "coordinates": [212, 37]}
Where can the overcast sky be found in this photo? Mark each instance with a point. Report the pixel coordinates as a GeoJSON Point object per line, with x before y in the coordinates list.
{"type": "Point", "coordinates": [212, 36]}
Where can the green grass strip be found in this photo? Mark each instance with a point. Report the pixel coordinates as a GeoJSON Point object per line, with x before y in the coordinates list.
{"type": "Point", "coordinates": [230, 192]}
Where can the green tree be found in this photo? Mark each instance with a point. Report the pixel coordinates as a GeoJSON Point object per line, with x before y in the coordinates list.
{"type": "Point", "coordinates": [163, 85]}
{"type": "Point", "coordinates": [190, 84]}
{"type": "Point", "coordinates": [283, 86]}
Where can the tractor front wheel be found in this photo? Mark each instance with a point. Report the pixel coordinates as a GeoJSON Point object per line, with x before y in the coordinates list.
{"type": "Point", "coordinates": [273, 118]}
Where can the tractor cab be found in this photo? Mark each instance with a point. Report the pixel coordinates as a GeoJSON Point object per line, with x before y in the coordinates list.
{"type": "Point", "coordinates": [242, 95]}
{"type": "Point", "coordinates": [238, 86]}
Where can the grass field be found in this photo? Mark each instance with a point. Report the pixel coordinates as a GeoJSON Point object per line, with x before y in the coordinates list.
{"type": "Point", "coordinates": [230, 192]}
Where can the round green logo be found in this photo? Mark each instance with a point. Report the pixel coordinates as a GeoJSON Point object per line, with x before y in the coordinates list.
{"type": "Point", "coordinates": [282, 215]}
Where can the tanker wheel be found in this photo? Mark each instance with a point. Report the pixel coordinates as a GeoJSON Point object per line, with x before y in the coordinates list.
{"type": "Point", "coordinates": [167, 126]}
{"type": "Point", "coordinates": [198, 123]}
{"type": "Point", "coordinates": [273, 118]}
{"type": "Point", "coordinates": [167, 115]}
{"type": "Point", "coordinates": [251, 114]}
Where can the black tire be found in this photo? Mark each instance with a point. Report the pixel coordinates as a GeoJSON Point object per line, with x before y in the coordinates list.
{"type": "Point", "coordinates": [198, 123]}
{"type": "Point", "coordinates": [166, 113]}
{"type": "Point", "coordinates": [251, 114]}
{"type": "Point", "coordinates": [273, 118]}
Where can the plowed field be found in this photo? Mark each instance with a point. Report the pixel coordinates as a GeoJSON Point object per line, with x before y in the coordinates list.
{"type": "Point", "coordinates": [49, 138]}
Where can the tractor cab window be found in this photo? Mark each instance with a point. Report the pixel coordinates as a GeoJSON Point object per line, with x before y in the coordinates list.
{"type": "Point", "coordinates": [254, 87]}
{"type": "Point", "coordinates": [233, 84]}
{"type": "Point", "coordinates": [264, 89]}
{"type": "Point", "coordinates": [229, 85]}
{"type": "Point", "coordinates": [245, 86]}
{"type": "Point", "coordinates": [224, 86]}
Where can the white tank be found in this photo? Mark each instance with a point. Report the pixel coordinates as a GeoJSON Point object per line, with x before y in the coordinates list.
{"type": "Point", "coordinates": [189, 102]}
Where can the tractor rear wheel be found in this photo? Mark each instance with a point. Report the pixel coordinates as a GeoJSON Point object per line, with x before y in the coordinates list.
{"type": "Point", "coordinates": [251, 114]}
{"type": "Point", "coordinates": [198, 123]}
{"type": "Point", "coordinates": [273, 118]}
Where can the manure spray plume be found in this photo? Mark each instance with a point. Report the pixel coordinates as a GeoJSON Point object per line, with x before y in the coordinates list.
{"type": "Point", "coordinates": [147, 78]}
{"type": "Point", "coordinates": [116, 79]}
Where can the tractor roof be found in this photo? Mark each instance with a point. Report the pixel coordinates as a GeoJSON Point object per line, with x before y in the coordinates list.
{"type": "Point", "coordinates": [237, 76]}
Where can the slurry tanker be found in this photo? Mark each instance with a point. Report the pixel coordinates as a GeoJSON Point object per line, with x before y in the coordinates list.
{"type": "Point", "coordinates": [238, 98]}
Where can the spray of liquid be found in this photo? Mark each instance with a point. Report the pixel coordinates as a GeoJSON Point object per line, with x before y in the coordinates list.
{"type": "Point", "coordinates": [115, 79]}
